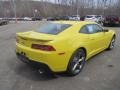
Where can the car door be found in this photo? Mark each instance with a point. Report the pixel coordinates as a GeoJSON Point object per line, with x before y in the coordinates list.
{"type": "Point", "coordinates": [96, 37]}
{"type": "Point", "coordinates": [104, 38]}
{"type": "Point", "coordinates": [84, 34]}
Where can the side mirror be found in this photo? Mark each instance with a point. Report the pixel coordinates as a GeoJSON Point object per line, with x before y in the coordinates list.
{"type": "Point", "coordinates": [105, 30]}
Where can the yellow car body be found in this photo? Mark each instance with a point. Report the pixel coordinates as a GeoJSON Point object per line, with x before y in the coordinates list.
{"type": "Point", "coordinates": [65, 44]}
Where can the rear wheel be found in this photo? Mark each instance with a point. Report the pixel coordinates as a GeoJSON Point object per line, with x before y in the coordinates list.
{"type": "Point", "coordinates": [112, 43]}
{"type": "Point", "coordinates": [76, 63]}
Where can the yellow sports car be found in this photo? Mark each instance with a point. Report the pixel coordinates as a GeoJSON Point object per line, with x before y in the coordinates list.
{"type": "Point", "coordinates": [63, 45]}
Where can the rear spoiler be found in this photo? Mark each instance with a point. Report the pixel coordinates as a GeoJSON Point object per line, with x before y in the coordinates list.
{"type": "Point", "coordinates": [34, 39]}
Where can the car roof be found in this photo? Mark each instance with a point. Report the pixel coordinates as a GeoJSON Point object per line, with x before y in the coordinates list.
{"type": "Point", "coordinates": [75, 22]}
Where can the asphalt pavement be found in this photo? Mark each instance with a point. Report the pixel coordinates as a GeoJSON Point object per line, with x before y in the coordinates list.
{"type": "Point", "coordinates": [101, 72]}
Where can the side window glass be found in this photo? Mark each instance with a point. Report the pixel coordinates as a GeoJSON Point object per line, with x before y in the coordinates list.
{"type": "Point", "coordinates": [97, 28]}
{"type": "Point", "coordinates": [90, 29]}
{"type": "Point", "coordinates": [84, 30]}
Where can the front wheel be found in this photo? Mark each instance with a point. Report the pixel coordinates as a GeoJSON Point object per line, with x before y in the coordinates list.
{"type": "Point", "coordinates": [112, 43]}
{"type": "Point", "coordinates": [76, 62]}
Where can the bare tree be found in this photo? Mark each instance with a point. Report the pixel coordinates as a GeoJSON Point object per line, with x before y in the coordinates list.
{"type": "Point", "coordinates": [46, 8]}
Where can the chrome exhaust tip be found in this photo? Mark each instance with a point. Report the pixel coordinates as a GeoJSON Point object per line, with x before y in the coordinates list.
{"type": "Point", "coordinates": [41, 71]}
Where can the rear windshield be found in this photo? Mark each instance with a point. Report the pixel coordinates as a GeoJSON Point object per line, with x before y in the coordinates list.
{"type": "Point", "coordinates": [53, 28]}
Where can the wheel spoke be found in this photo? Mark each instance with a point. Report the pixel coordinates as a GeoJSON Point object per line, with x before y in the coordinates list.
{"type": "Point", "coordinates": [78, 63]}
{"type": "Point", "coordinates": [81, 59]}
{"type": "Point", "coordinates": [112, 43]}
{"type": "Point", "coordinates": [80, 66]}
{"type": "Point", "coordinates": [75, 66]}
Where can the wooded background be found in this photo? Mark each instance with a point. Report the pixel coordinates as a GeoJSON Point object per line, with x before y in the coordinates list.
{"type": "Point", "coordinates": [46, 8]}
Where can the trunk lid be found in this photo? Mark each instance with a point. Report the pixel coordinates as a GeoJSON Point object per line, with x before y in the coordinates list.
{"type": "Point", "coordinates": [31, 37]}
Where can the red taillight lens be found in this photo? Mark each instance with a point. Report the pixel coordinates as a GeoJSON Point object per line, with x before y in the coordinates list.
{"type": "Point", "coordinates": [43, 47]}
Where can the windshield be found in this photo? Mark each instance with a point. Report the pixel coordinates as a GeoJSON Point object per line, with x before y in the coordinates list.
{"type": "Point", "coordinates": [53, 28]}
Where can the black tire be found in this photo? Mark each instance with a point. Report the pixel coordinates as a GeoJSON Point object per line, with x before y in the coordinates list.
{"type": "Point", "coordinates": [76, 63]}
{"type": "Point", "coordinates": [112, 43]}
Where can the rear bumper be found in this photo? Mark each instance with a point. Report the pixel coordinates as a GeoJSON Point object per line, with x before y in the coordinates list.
{"type": "Point", "coordinates": [55, 62]}
{"type": "Point", "coordinates": [32, 63]}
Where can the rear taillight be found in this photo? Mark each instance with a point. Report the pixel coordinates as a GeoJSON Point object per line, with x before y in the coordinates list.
{"type": "Point", "coordinates": [43, 47]}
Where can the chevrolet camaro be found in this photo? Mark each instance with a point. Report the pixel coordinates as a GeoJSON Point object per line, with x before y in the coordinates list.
{"type": "Point", "coordinates": [63, 46]}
